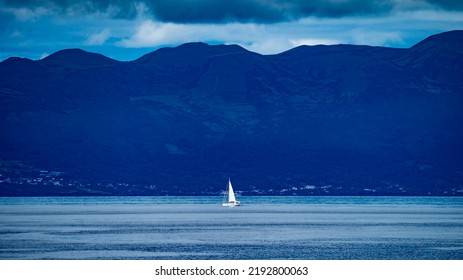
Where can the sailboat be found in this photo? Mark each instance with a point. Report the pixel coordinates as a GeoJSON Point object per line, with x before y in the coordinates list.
{"type": "Point", "coordinates": [231, 201]}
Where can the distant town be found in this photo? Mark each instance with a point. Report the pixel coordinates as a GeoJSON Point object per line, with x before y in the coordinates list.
{"type": "Point", "coordinates": [19, 179]}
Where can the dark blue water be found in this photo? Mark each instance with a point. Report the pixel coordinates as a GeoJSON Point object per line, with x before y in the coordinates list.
{"type": "Point", "coordinates": [200, 228]}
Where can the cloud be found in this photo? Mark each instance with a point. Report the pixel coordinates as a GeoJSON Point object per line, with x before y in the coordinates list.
{"type": "Point", "coordinates": [43, 55]}
{"type": "Point", "coordinates": [149, 33]}
{"type": "Point", "coordinates": [99, 39]}
{"type": "Point", "coordinates": [224, 11]}
{"type": "Point", "coordinates": [260, 38]}
{"type": "Point", "coordinates": [376, 38]}
{"type": "Point", "coordinates": [28, 14]}
{"type": "Point", "coordinates": [448, 4]}
{"type": "Point", "coordinates": [76, 8]}
{"type": "Point", "coordinates": [268, 45]}
{"type": "Point", "coordinates": [395, 31]}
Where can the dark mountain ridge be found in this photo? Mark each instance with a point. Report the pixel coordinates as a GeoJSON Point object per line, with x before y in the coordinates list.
{"type": "Point", "coordinates": [76, 59]}
{"type": "Point", "coordinates": [321, 120]}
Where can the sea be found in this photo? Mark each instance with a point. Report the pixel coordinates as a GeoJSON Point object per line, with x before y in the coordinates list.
{"type": "Point", "coordinates": [200, 228]}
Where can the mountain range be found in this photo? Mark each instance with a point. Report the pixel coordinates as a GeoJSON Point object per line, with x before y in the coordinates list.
{"type": "Point", "coordinates": [314, 120]}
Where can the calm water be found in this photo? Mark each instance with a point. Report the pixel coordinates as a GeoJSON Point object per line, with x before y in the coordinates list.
{"type": "Point", "coordinates": [200, 228]}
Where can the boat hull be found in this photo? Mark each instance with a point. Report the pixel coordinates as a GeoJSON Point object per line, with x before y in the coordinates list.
{"type": "Point", "coordinates": [231, 204]}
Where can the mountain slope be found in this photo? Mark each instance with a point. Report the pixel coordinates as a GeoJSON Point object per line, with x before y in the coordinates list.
{"type": "Point", "coordinates": [337, 120]}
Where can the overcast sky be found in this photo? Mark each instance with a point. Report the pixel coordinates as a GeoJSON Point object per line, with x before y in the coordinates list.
{"type": "Point", "coordinates": [125, 30]}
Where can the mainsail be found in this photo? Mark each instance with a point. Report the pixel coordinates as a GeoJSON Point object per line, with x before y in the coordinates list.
{"type": "Point", "coordinates": [231, 201]}
{"type": "Point", "coordinates": [231, 194]}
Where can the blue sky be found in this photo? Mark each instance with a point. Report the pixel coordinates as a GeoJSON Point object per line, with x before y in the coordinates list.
{"type": "Point", "coordinates": [125, 30]}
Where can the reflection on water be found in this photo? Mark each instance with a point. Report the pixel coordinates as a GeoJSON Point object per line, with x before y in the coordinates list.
{"type": "Point", "coordinates": [200, 228]}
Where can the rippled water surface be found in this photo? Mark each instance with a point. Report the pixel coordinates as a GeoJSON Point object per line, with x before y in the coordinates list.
{"type": "Point", "coordinates": [200, 228]}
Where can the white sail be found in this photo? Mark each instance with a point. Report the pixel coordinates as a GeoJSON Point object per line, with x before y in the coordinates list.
{"type": "Point", "coordinates": [231, 201]}
{"type": "Point", "coordinates": [231, 194]}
